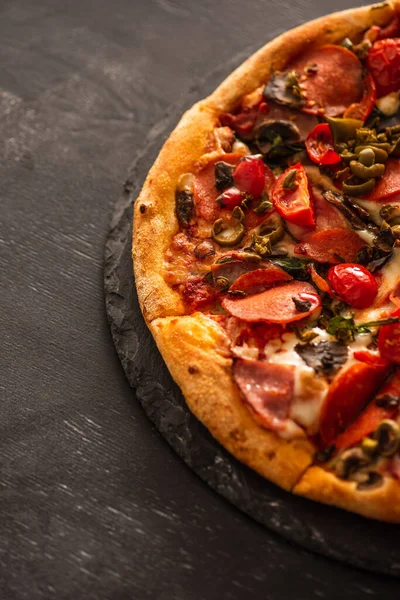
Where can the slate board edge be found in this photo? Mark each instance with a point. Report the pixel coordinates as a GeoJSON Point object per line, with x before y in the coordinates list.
{"type": "Point", "coordinates": [117, 250]}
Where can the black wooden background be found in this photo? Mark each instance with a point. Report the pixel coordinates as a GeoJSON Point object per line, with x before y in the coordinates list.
{"type": "Point", "coordinates": [93, 503]}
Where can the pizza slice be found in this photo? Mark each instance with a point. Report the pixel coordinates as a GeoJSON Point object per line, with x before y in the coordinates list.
{"type": "Point", "coordinates": [267, 260]}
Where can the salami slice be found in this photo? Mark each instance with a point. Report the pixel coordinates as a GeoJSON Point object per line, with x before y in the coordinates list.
{"type": "Point", "coordinates": [260, 279]}
{"type": "Point", "coordinates": [283, 304]}
{"type": "Point", "coordinates": [267, 389]}
{"type": "Point", "coordinates": [330, 78]}
{"type": "Point", "coordinates": [331, 246]}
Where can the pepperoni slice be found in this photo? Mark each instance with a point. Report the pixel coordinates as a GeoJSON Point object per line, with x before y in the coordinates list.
{"type": "Point", "coordinates": [267, 389]}
{"type": "Point", "coordinates": [370, 418]}
{"type": "Point", "coordinates": [197, 293]}
{"type": "Point", "coordinates": [389, 184]}
{"type": "Point", "coordinates": [260, 279]}
{"type": "Point", "coordinates": [334, 84]}
{"type": "Point", "coordinates": [283, 304]}
{"type": "Point", "coordinates": [205, 192]}
{"type": "Point", "coordinates": [331, 246]}
{"type": "Point", "coordinates": [348, 394]}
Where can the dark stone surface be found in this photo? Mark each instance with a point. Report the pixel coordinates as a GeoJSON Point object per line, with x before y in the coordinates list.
{"type": "Point", "coordinates": [93, 503]}
{"type": "Point", "coordinates": [315, 527]}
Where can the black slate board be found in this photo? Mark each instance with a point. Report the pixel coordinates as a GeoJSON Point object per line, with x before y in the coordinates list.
{"type": "Point", "coordinates": [326, 530]}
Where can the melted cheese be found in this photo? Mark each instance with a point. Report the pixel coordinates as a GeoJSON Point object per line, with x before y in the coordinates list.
{"type": "Point", "coordinates": [366, 235]}
{"type": "Point", "coordinates": [390, 277]}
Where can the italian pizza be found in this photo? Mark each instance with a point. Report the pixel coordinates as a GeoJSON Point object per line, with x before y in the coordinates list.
{"type": "Point", "coordinates": [266, 253]}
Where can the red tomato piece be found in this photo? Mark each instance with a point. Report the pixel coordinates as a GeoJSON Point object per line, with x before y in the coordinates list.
{"type": "Point", "coordinates": [383, 62]}
{"type": "Point", "coordinates": [349, 392]}
{"type": "Point", "coordinates": [370, 418]}
{"type": "Point", "coordinates": [328, 246]}
{"type": "Point", "coordinates": [267, 390]}
{"type": "Point", "coordinates": [249, 175]}
{"type": "Point", "coordinates": [276, 305]}
{"type": "Point", "coordinates": [336, 83]}
{"type": "Point", "coordinates": [389, 340]}
{"type": "Point", "coordinates": [361, 110]}
{"type": "Point", "coordinates": [205, 192]}
{"type": "Point", "coordinates": [230, 198]}
{"type": "Point", "coordinates": [389, 184]}
{"type": "Point", "coordinates": [319, 145]}
{"type": "Point", "coordinates": [258, 280]}
{"type": "Point", "coordinates": [354, 284]}
{"type": "Point", "coordinates": [371, 359]}
{"type": "Point", "coordinates": [294, 202]}
{"type": "Point", "coordinates": [197, 293]}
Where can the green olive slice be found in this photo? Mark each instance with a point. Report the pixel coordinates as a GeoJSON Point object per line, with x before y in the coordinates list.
{"type": "Point", "coordinates": [358, 189]}
{"type": "Point", "coordinates": [227, 234]}
{"type": "Point", "coordinates": [343, 129]}
{"type": "Point", "coordinates": [363, 172]}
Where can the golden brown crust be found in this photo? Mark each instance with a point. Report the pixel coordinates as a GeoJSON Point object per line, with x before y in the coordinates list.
{"type": "Point", "coordinates": [194, 347]}
{"type": "Point", "coordinates": [196, 352]}
{"type": "Point", "coordinates": [382, 503]}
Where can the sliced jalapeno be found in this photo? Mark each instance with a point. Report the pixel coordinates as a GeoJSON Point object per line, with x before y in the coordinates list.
{"type": "Point", "coordinates": [273, 229]}
{"type": "Point", "coordinates": [369, 446]}
{"type": "Point", "coordinates": [355, 188]}
{"type": "Point", "coordinates": [380, 154]}
{"type": "Point", "coordinates": [227, 234]}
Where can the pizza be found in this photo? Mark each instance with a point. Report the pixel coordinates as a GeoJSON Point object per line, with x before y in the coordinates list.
{"type": "Point", "coordinates": [266, 253]}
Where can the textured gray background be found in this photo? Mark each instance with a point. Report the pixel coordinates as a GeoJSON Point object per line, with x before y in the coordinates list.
{"type": "Point", "coordinates": [93, 503]}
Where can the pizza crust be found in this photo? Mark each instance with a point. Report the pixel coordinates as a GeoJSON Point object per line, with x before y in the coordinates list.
{"type": "Point", "coordinates": [194, 347]}
{"type": "Point", "coordinates": [382, 503]}
{"type": "Point", "coordinates": [196, 352]}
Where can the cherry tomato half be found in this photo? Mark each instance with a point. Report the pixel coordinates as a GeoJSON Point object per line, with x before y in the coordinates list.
{"type": "Point", "coordinates": [383, 62]}
{"type": "Point", "coordinates": [230, 198]}
{"type": "Point", "coordinates": [389, 340]}
{"type": "Point", "coordinates": [353, 284]}
{"type": "Point", "coordinates": [249, 175]}
{"type": "Point", "coordinates": [292, 198]}
{"type": "Point", "coordinates": [319, 145]}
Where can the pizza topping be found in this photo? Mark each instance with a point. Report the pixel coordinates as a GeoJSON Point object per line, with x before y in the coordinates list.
{"type": "Point", "coordinates": [267, 389]}
{"type": "Point", "coordinates": [204, 249]}
{"type": "Point", "coordinates": [223, 175]}
{"type": "Point", "coordinates": [331, 246]}
{"type": "Point", "coordinates": [389, 340]}
{"type": "Point", "coordinates": [348, 394]}
{"type": "Point", "coordinates": [230, 198]}
{"type": "Point", "coordinates": [353, 284]}
{"type": "Point", "coordinates": [291, 197]}
{"type": "Point", "coordinates": [197, 294]}
{"type": "Point", "coordinates": [389, 185]}
{"type": "Point", "coordinates": [361, 110]}
{"type": "Point", "coordinates": [383, 62]}
{"type": "Point", "coordinates": [205, 191]}
{"type": "Point", "coordinates": [385, 406]}
{"type": "Point", "coordinates": [357, 216]}
{"type": "Point", "coordinates": [184, 206]}
{"type": "Point", "coordinates": [273, 136]}
{"type": "Point", "coordinates": [324, 357]}
{"type": "Point", "coordinates": [257, 281]}
{"type": "Point", "coordinates": [249, 175]}
{"type": "Point", "coordinates": [227, 233]}
{"type": "Point", "coordinates": [335, 82]}
{"type": "Point", "coordinates": [319, 145]}
{"type": "Point", "coordinates": [284, 88]}
{"type": "Point", "coordinates": [389, 105]}
{"type": "Point", "coordinates": [275, 305]}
